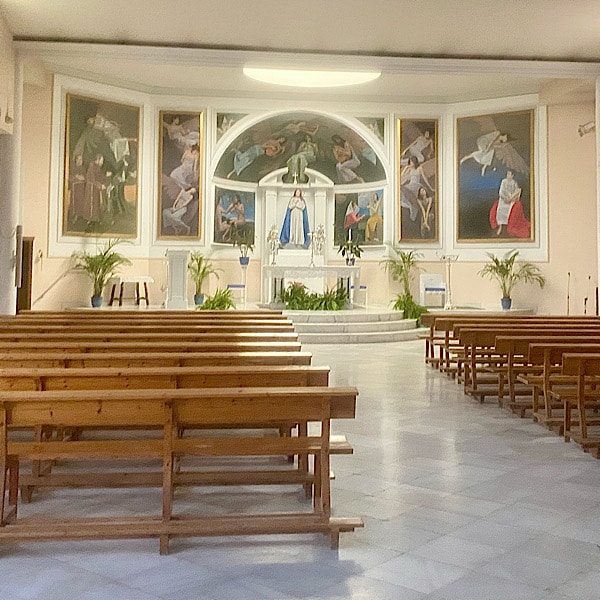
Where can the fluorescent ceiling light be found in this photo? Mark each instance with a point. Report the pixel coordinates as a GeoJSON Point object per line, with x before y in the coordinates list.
{"type": "Point", "coordinates": [315, 79]}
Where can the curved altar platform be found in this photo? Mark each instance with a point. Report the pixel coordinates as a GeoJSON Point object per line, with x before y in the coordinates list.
{"type": "Point", "coordinates": [355, 326]}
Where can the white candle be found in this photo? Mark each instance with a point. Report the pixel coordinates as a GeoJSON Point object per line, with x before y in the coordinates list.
{"type": "Point", "coordinates": [350, 233]}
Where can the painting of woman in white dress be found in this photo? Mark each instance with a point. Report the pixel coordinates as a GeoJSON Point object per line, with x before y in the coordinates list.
{"type": "Point", "coordinates": [495, 177]}
{"type": "Point", "coordinates": [180, 170]}
{"type": "Point", "coordinates": [295, 229]}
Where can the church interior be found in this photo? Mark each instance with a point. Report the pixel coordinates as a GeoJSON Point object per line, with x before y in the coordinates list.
{"type": "Point", "coordinates": [472, 135]}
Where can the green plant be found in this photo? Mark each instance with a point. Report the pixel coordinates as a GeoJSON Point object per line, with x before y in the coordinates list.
{"type": "Point", "coordinates": [350, 249]}
{"type": "Point", "coordinates": [297, 297]}
{"type": "Point", "coordinates": [199, 268]}
{"type": "Point", "coordinates": [243, 238]}
{"type": "Point", "coordinates": [102, 265]}
{"type": "Point", "coordinates": [402, 268]}
{"type": "Point", "coordinates": [406, 303]}
{"type": "Point", "coordinates": [220, 300]}
{"type": "Point", "coordinates": [508, 271]}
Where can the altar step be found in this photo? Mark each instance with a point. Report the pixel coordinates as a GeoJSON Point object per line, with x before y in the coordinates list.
{"type": "Point", "coordinates": [356, 326]}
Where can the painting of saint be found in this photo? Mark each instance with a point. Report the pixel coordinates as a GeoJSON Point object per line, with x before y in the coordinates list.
{"type": "Point", "coordinates": [234, 212]}
{"type": "Point", "coordinates": [417, 180]}
{"type": "Point", "coordinates": [295, 229]}
{"type": "Point", "coordinates": [180, 174]}
{"type": "Point", "coordinates": [495, 177]}
{"type": "Point", "coordinates": [100, 191]}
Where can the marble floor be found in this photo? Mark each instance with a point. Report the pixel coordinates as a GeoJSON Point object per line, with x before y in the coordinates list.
{"type": "Point", "coordinates": [460, 501]}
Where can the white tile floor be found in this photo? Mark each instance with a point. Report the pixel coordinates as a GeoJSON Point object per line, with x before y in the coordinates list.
{"type": "Point", "coordinates": [460, 502]}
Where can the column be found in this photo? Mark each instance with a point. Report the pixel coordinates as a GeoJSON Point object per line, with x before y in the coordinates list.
{"type": "Point", "coordinates": [10, 202]}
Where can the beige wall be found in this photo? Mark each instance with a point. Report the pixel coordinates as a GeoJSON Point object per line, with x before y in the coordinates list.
{"type": "Point", "coordinates": [571, 214]}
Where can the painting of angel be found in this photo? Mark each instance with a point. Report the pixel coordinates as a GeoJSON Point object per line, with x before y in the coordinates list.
{"type": "Point", "coordinates": [297, 143]}
{"type": "Point", "coordinates": [495, 177]}
{"type": "Point", "coordinates": [100, 184]}
{"type": "Point", "coordinates": [180, 175]}
{"type": "Point", "coordinates": [417, 180]}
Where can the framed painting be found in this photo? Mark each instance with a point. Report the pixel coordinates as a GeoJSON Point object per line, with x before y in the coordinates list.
{"type": "Point", "coordinates": [417, 168]}
{"type": "Point", "coordinates": [180, 161]}
{"type": "Point", "coordinates": [100, 179]}
{"type": "Point", "coordinates": [495, 179]}
{"type": "Point", "coordinates": [234, 215]}
{"type": "Point", "coordinates": [359, 216]}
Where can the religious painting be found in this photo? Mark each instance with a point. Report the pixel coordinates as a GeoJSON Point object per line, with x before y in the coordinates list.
{"type": "Point", "coordinates": [417, 151]}
{"type": "Point", "coordinates": [226, 121]}
{"type": "Point", "coordinates": [100, 179]}
{"type": "Point", "coordinates": [359, 217]}
{"type": "Point", "coordinates": [299, 142]}
{"type": "Point", "coordinates": [495, 179]}
{"type": "Point", "coordinates": [376, 125]}
{"type": "Point", "coordinates": [180, 174]}
{"type": "Point", "coordinates": [234, 215]}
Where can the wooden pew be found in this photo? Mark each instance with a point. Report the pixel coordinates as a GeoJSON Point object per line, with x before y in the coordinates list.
{"type": "Point", "coordinates": [479, 342]}
{"type": "Point", "coordinates": [153, 314]}
{"type": "Point", "coordinates": [165, 360]}
{"type": "Point", "coordinates": [147, 346]}
{"type": "Point", "coordinates": [545, 374]}
{"type": "Point", "coordinates": [75, 335]}
{"type": "Point", "coordinates": [586, 369]}
{"type": "Point", "coordinates": [100, 379]}
{"type": "Point", "coordinates": [442, 328]}
{"type": "Point", "coordinates": [168, 410]}
{"type": "Point", "coordinates": [172, 326]}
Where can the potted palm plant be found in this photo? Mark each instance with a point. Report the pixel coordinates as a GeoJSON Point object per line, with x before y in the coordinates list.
{"type": "Point", "coordinates": [403, 268]}
{"type": "Point", "coordinates": [100, 267]}
{"type": "Point", "coordinates": [200, 268]}
{"type": "Point", "coordinates": [350, 250]}
{"type": "Point", "coordinates": [508, 271]}
{"type": "Point", "coordinates": [243, 238]}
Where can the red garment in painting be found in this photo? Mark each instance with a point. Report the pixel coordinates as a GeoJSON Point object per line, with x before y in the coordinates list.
{"type": "Point", "coordinates": [518, 226]}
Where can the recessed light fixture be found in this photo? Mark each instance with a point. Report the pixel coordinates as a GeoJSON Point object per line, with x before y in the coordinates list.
{"type": "Point", "coordinates": [310, 79]}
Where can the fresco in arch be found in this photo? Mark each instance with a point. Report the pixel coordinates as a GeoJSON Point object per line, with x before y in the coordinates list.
{"type": "Point", "coordinates": [299, 141]}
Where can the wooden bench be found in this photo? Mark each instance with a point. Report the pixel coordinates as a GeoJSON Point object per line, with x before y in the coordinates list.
{"type": "Point", "coordinates": [99, 379]}
{"type": "Point", "coordinates": [585, 368]}
{"type": "Point", "coordinates": [165, 360]}
{"type": "Point", "coordinates": [544, 355]}
{"type": "Point", "coordinates": [144, 345]}
{"type": "Point", "coordinates": [481, 353]}
{"type": "Point", "coordinates": [168, 410]}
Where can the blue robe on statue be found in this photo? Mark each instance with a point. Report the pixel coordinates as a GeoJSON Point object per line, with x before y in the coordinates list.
{"type": "Point", "coordinates": [284, 236]}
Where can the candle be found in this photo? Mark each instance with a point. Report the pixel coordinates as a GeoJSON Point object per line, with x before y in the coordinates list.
{"type": "Point", "coordinates": [350, 233]}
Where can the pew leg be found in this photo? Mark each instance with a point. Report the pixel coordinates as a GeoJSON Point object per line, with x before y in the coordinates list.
{"type": "Point", "coordinates": [9, 491]}
{"type": "Point", "coordinates": [567, 422]}
{"type": "Point", "coordinates": [167, 479]}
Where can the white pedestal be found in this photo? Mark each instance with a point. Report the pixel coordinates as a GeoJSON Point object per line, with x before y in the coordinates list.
{"type": "Point", "coordinates": [177, 279]}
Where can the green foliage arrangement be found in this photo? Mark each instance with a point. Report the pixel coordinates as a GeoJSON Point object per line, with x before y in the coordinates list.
{"type": "Point", "coordinates": [297, 297]}
{"type": "Point", "coordinates": [350, 249]}
{"type": "Point", "coordinates": [102, 265]}
{"type": "Point", "coordinates": [508, 271]}
{"type": "Point", "coordinates": [411, 309]}
{"type": "Point", "coordinates": [220, 300]}
{"type": "Point", "coordinates": [199, 268]}
{"type": "Point", "coordinates": [403, 268]}
{"type": "Point", "coordinates": [243, 238]}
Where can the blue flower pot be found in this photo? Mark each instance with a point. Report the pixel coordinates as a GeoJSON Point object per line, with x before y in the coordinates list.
{"type": "Point", "coordinates": [244, 260]}
{"type": "Point", "coordinates": [506, 303]}
{"type": "Point", "coordinates": [96, 301]}
{"type": "Point", "coordinates": [198, 299]}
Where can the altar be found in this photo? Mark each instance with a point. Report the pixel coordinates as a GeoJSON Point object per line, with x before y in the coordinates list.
{"type": "Point", "coordinates": [276, 276]}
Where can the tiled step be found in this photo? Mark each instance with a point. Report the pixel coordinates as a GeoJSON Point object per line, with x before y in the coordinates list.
{"type": "Point", "coordinates": [358, 338]}
{"type": "Point", "coordinates": [354, 326]}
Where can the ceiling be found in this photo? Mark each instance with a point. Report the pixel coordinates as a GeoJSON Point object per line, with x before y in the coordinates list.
{"type": "Point", "coordinates": [425, 49]}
